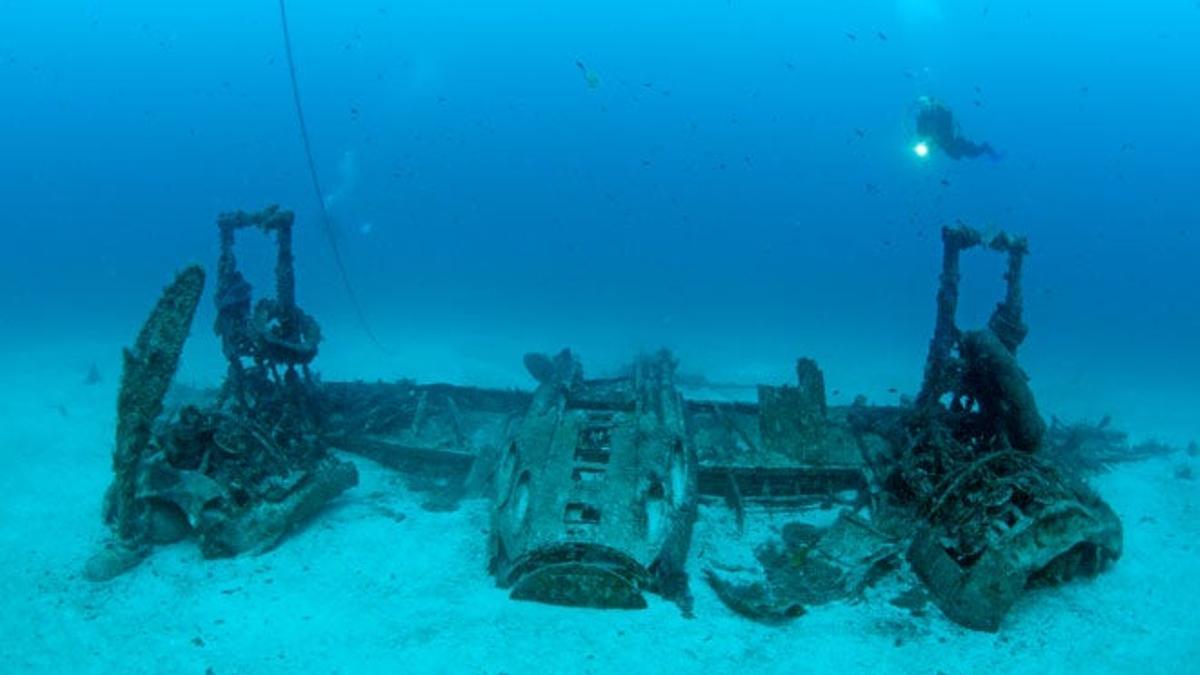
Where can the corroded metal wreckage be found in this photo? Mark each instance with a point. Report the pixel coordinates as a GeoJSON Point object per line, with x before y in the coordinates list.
{"type": "Point", "coordinates": [623, 520]}
{"type": "Point", "coordinates": [238, 472]}
{"type": "Point", "coordinates": [995, 518]}
{"type": "Point", "coordinates": [597, 484]}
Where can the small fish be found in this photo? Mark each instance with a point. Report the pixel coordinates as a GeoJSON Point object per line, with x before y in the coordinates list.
{"type": "Point", "coordinates": [589, 75]}
{"type": "Point", "coordinates": [650, 86]}
{"type": "Point", "coordinates": [882, 36]}
{"type": "Point", "coordinates": [850, 36]}
{"type": "Point", "coordinates": [944, 182]}
{"type": "Point", "coordinates": [859, 132]}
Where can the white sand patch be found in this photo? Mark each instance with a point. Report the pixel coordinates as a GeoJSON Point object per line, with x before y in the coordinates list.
{"type": "Point", "coordinates": [360, 591]}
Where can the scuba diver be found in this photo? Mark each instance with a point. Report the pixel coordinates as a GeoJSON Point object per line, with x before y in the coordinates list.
{"type": "Point", "coordinates": [936, 127]}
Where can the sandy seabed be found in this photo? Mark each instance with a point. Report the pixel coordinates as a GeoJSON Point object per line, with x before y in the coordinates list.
{"type": "Point", "coordinates": [362, 590]}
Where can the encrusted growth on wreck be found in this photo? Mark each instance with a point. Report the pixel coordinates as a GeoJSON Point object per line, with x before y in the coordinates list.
{"type": "Point", "coordinates": [239, 473]}
{"type": "Point", "coordinates": [996, 519]}
{"type": "Point", "coordinates": [596, 491]}
{"type": "Point", "coordinates": [148, 370]}
{"type": "Point", "coordinates": [269, 346]}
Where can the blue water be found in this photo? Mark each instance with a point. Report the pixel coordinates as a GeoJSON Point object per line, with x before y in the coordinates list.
{"type": "Point", "coordinates": [733, 179]}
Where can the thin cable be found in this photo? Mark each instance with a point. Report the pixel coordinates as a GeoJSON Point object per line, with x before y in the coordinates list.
{"type": "Point", "coordinates": [326, 219]}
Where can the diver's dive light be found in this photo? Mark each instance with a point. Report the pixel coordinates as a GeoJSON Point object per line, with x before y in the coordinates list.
{"type": "Point", "coordinates": [921, 149]}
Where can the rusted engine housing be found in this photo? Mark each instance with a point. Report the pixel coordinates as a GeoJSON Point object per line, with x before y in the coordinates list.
{"type": "Point", "coordinates": [596, 493]}
{"type": "Point", "coordinates": [997, 518]}
{"type": "Point", "coordinates": [1078, 535]}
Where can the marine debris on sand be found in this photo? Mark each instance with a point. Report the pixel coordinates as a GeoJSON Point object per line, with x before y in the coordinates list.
{"type": "Point", "coordinates": [597, 485]}
{"type": "Point", "coordinates": [1094, 447]}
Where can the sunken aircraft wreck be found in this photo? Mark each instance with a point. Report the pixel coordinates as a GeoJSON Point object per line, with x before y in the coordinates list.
{"type": "Point", "coordinates": [596, 484]}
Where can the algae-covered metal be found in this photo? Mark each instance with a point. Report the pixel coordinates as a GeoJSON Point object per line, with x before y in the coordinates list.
{"type": "Point", "coordinates": [996, 519]}
{"type": "Point", "coordinates": [597, 489]}
{"type": "Point", "coordinates": [148, 370]}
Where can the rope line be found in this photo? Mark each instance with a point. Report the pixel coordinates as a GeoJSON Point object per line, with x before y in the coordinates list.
{"type": "Point", "coordinates": [326, 219]}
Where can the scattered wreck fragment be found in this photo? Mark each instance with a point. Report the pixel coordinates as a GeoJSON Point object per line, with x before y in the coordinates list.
{"type": "Point", "coordinates": [774, 459]}
{"type": "Point", "coordinates": [444, 439]}
{"type": "Point", "coordinates": [806, 566]}
{"type": "Point", "coordinates": [787, 449]}
{"type": "Point", "coordinates": [1095, 447]}
{"type": "Point", "coordinates": [994, 518]}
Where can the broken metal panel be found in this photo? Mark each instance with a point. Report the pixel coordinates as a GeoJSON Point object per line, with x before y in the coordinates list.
{"type": "Point", "coordinates": [786, 427]}
{"type": "Point", "coordinates": [787, 450]}
{"type": "Point", "coordinates": [727, 434]}
{"type": "Point", "coordinates": [768, 433]}
{"type": "Point", "coordinates": [792, 419]}
{"type": "Point", "coordinates": [406, 426]}
{"type": "Point", "coordinates": [445, 439]}
{"type": "Point", "coordinates": [805, 566]}
{"type": "Point", "coordinates": [780, 487]}
{"type": "Point", "coordinates": [597, 492]}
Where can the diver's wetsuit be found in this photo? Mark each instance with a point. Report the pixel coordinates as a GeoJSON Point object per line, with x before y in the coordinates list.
{"type": "Point", "coordinates": [935, 123]}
